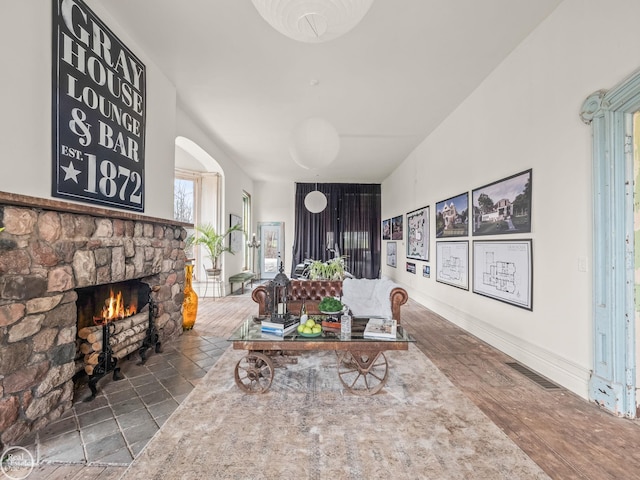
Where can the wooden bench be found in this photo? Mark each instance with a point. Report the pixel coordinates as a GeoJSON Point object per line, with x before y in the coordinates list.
{"type": "Point", "coordinates": [241, 278]}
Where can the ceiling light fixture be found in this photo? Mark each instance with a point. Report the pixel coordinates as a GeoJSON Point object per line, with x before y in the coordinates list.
{"type": "Point", "coordinates": [314, 143]}
{"type": "Point", "coordinates": [315, 201]}
{"type": "Point", "coordinates": [313, 21]}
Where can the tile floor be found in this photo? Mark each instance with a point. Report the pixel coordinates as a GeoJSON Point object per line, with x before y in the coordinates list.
{"type": "Point", "coordinates": [114, 427]}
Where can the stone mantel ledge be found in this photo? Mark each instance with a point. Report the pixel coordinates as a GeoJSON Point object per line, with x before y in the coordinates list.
{"type": "Point", "coordinates": [82, 209]}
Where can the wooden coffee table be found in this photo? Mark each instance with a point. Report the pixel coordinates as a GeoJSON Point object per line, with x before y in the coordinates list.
{"type": "Point", "coordinates": [362, 366]}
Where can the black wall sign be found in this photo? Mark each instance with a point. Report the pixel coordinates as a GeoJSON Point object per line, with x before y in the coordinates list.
{"type": "Point", "coordinates": [99, 112]}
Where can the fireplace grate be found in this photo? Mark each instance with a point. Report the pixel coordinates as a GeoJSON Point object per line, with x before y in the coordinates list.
{"type": "Point", "coordinates": [530, 374]}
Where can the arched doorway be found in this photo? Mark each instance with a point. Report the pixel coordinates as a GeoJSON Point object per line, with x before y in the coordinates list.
{"type": "Point", "coordinates": [613, 116]}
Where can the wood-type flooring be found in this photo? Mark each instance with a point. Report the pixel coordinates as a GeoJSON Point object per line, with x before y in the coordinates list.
{"type": "Point", "coordinates": [567, 436]}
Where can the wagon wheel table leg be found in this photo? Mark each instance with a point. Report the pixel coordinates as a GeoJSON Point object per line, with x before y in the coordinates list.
{"type": "Point", "coordinates": [363, 373]}
{"type": "Point", "coordinates": [254, 373]}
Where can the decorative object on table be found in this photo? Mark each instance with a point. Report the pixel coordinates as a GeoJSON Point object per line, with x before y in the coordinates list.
{"type": "Point", "coordinates": [190, 302]}
{"type": "Point", "coordinates": [452, 263]}
{"type": "Point", "coordinates": [214, 242]}
{"type": "Point", "coordinates": [279, 328]}
{"type": "Point", "coordinates": [504, 206]}
{"type": "Point", "coordinates": [345, 325]}
{"type": "Point", "coordinates": [312, 21]}
{"type": "Point", "coordinates": [381, 329]}
{"type": "Point", "coordinates": [452, 217]}
{"type": "Point", "coordinates": [303, 312]}
{"type": "Point", "coordinates": [278, 294]}
{"type": "Point", "coordinates": [418, 234]}
{"type": "Point", "coordinates": [310, 328]}
{"type": "Point", "coordinates": [503, 270]}
{"type": "Point", "coordinates": [330, 306]}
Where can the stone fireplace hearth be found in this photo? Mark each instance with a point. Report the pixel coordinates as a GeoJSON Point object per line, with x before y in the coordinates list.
{"type": "Point", "coordinates": [47, 250]}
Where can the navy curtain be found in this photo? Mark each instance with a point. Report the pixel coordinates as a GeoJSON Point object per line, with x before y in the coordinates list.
{"type": "Point", "coordinates": [351, 222]}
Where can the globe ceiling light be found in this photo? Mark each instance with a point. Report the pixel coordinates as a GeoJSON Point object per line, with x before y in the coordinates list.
{"type": "Point", "coordinates": [314, 143]}
{"type": "Point", "coordinates": [315, 201]}
{"type": "Point", "coordinates": [313, 21]}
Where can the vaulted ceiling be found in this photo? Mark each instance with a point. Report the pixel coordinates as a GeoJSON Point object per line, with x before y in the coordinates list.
{"type": "Point", "coordinates": [384, 86]}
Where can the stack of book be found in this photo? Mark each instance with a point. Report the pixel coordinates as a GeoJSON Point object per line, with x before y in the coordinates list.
{"type": "Point", "coordinates": [381, 329]}
{"type": "Point", "coordinates": [279, 327]}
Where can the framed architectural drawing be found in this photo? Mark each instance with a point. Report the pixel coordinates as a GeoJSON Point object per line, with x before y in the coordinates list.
{"type": "Point", "coordinates": [396, 228]}
{"type": "Point", "coordinates": [452, 263]}
{"type": "Point", "coordinates": [503, 206]}
{"type": "Point", "coordinates": [392, 254]}
{"type": "Point", "coordinates": [418, 234]}
{"type": "Point", "coordinates": [452, 217]}
{"type": "Point", "coordinates": [503, 270]}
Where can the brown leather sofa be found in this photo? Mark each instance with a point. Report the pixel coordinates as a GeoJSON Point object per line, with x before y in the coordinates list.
{"type": "Point", "coordinates": [313, 291]}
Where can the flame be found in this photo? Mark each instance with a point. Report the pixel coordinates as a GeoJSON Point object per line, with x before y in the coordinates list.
{"type": "Point", "coordinates": [115, 309]}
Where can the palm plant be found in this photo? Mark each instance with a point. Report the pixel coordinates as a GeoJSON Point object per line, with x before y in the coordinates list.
{"type": "Point", "coordinates": [214, 243]}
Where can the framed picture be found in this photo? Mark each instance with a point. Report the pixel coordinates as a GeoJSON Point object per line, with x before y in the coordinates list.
{"type": "Point", "coordinates": [426, 271]}
{"type": "Point", "coordinates": [396, 228]}
{"type": "Point", "coordinates": [235, 238]}
{"type": "Point", "coordinates": [452, 217]}
{"type": "Point", "coordinates": [418, 234]}
{"type": "Point", "coordinates": [452, 263]}
{"type": "Point", "coordinates": [386, 229]}
{"type": "Point", "coordinates": [411, 267]}
{"type": "Point", "coordinates": [392, 254]}
{"type": "Point", "coordinates": [503, 270]}
{"type": "Point", "coordinates": [503, 206]}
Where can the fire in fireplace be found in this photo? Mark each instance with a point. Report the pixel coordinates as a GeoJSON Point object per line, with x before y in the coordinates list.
{"type": "Point", "coordinates": [104, 303]}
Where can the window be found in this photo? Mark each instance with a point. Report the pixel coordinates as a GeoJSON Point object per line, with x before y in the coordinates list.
{"type": "Point", "coordinates": [184, 200]}
{"type": "Point", "coordinates": [246, 226]}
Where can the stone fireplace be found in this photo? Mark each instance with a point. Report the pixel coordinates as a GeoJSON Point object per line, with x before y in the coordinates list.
{"type": "Point", "coordinates": [49, 251]}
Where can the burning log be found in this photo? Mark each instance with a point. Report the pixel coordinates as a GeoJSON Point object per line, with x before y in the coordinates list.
{"type": "Point", "coordinates": [94, 334]}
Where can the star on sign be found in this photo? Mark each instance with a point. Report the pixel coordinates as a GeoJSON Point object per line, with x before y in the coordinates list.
{"type": "Point", "coordinates": [71, 173]}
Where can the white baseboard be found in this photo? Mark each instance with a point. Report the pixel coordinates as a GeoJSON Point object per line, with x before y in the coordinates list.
{"type": "Point", "coordinates": [547, 363]}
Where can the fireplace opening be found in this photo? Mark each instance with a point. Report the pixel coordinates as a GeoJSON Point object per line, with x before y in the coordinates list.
{"type": "Point", "coordinates": [114, 321]}
{"type": "Point", "coordinates": [115, 301]}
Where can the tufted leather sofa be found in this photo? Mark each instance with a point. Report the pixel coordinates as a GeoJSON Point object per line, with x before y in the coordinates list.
{"type": "Point", "coordinates": [313, 291]}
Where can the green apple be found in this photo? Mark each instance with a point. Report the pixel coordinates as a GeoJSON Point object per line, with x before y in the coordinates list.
{"type": "Point", "coordinates": [309, 323]}
{"type": "Point", "coordinates": [307, 330]}
{"type": "Point", "coordinates": [300, 328]}
{"type": "Point", "coordinates": [316, 328]}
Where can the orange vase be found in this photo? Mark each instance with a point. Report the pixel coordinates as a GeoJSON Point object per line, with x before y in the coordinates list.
{"type": "Point", "coordinates": [190, 302]}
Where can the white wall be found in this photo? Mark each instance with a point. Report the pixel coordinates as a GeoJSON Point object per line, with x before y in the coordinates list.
{"type": "Point", "coordinates": [26, 99]}
{"type": "Point", "coordinates": [525, 115]}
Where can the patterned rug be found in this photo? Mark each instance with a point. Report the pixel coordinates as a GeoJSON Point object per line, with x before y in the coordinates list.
{"type": "Point", "coordinates": [306, 426]}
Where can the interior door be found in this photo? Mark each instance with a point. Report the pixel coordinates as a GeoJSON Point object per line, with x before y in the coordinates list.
{"type": "Point", "coordinates": [272, 247]}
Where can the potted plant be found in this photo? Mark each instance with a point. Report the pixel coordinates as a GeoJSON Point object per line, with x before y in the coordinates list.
{"type": "Point", "coordinates": [214, 243]}
{"type": "Point", "coordinates": [330, 270]}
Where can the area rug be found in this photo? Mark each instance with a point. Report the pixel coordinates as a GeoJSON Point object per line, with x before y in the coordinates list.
{"type": "Point", "coordinates": [307, 426]}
